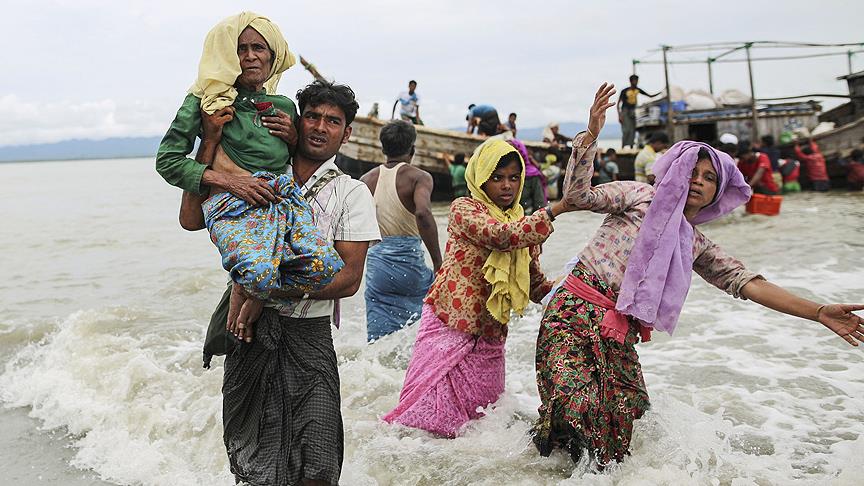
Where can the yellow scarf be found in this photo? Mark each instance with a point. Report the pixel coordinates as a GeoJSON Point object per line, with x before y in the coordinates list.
{"type": "Point", "coordinates": [506, 271]}
{"type": "Point", "coordinates": [220, 65]}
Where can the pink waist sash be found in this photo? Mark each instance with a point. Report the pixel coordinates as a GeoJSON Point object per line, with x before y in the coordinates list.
{"type": "Point", "coordinates": [614, 324]}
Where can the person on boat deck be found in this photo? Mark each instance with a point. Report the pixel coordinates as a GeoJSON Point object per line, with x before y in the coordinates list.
{"type": "Point", "coordinates": [644, 161]}
{"type": "Point", "coordinates": [756, 168]}
{"type": "Point", "coordinates": [409, 105]}
{"type": "Point", "coordinates": [627, 103]}
{"type": "Point", "coordinates": [484, 118]}
{"type": "Point", "coordinates": [814, 164]}
{"type": "Point", "coordinates": [397, 277]}
{"type": "Point", "coordinates": [553, 136]}
{"type": "Point", "coordinates": [510, 124]}
{"type": "Point", "coordinates": [491, 268]}
{"type": "Point", "coordinates": [632, 277]}
{"type": "Point", "coordinates": [855, 176]}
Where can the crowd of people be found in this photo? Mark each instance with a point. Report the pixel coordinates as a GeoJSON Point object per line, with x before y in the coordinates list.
{"type": "Point", "coordinates": [296, 235]}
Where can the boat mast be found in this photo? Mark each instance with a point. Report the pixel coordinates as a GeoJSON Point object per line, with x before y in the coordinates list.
{"type": "Point", "coordinates": [312, 69]}
{"type": "Point", "coordinates": [754, 130]}
{"type": "Point", "coordinates": [669, 111]}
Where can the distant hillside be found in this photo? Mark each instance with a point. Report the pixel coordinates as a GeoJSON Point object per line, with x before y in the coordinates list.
{"type": "Point", "coordinates": [110, 148]}
{"type": "Point", "coordinates": [115, 148]}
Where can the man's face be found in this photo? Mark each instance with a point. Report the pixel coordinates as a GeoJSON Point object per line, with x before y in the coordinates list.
{"type": "Point", "coordinates": [512, 118]}
{"type": "Point", "coordinates": [255, 59]}
{"type": "Point", "coordinates": [411, 87]}
{"type": "Point", "coordinates": [634, 82]}
{"type": "Point", "coordinates": [322, 131]}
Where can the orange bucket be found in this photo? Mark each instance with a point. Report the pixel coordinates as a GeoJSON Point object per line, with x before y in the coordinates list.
{"type": "Point", "coordinates": [762, 204]}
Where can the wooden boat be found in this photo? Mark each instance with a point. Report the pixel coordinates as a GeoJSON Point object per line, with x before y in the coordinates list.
{"type": "Point", "coordinates": [433, 146]}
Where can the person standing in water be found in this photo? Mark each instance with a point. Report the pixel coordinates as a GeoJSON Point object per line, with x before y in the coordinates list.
{"type": "Point", "coordinates": [631, 279]}
{"type": "Point", "coordinates": [397, 277]}
{"type": "Point", "coordinates": [491, 269]}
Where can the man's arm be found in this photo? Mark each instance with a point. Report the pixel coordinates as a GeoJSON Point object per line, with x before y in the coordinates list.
{"type": "Point", "coordinates": [347, 282]}
{"type": "Point", "coordinates": [423, 215]}
{"type": "Point", "coordinates": [393, 111]}
{"type": "Point", "coordinates": [757, 177]}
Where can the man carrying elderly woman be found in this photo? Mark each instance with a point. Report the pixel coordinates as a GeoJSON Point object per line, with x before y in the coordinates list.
{"type": "Point", "coordinates": [264, 229]}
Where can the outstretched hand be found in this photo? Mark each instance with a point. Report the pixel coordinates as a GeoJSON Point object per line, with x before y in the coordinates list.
{"type": "Point", "coordinates": [597, 114]}
{"type": "Point", "coordinates": [840, 319]}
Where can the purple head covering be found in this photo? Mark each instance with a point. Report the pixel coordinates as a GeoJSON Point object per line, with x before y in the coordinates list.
{"type": "Point", "coordinates": [659, 269]}
{"type": "Point", "coordinates": [530, 169]}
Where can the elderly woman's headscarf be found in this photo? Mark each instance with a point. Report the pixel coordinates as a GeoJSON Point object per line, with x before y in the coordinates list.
{"type": "Point", "coordinates": [659, 269]}
{"type": "Point", "coordinates": [220, 65]}
{"type": "Point", "coordinates": [506, 271]}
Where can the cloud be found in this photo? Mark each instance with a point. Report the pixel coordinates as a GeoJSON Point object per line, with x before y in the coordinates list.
{"type": "Point", "coordinates": [96, 68]}
{"type": "Point", "coordinates": [30, 122]}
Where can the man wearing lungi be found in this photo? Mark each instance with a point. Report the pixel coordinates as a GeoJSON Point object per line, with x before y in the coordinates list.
{"type": "Point", "coordinates": [281, 403]}
{"type": "Point", "coordinates": [397, 277]}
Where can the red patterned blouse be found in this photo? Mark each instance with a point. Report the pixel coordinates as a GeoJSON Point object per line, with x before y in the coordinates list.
{"type": "Point", "coordinates": [460, 291]}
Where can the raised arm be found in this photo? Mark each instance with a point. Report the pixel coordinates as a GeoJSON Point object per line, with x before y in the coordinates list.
{"type": "Point", "coordinates": [578, 193]}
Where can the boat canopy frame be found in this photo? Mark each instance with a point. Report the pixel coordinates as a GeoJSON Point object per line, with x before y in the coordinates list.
{"type": "Point", "coordinates": [848, 49]}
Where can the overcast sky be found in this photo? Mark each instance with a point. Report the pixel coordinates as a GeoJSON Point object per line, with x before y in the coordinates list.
{"type": "Point", "coordinates": [97, 69]}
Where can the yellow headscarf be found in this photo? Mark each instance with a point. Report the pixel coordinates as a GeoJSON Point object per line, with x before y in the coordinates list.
{"type": "Point", "coordinates": [220, 65]}
{"type": "Point", "coordinates": [506, 271]}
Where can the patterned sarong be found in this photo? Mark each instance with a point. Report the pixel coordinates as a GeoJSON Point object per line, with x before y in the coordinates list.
{"type": "Point", "coordinates": [451, 374]}
{"type": "Point", "coordinates": [591, 388]}
{"type": "Point", "coordinates": [280, 404]}
{"type": "Point", "coordinates": [274, 246]}
{"type": "Point", "coordinates": [397, 280]}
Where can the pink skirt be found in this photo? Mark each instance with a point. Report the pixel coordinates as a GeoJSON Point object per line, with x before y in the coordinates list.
{"type": "Point", "coordinates": [450, 376]}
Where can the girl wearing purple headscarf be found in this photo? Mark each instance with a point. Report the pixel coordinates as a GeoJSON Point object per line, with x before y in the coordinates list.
{"type": "Point", "coordinates": [632, 278]}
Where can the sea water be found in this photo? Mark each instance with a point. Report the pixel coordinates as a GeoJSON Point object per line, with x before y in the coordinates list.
{"type": "Point", "coordinates": [105, 300]}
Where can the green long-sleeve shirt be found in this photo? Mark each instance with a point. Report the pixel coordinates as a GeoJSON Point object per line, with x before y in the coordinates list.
{"type": "Point", "coordinates": [250, 147]}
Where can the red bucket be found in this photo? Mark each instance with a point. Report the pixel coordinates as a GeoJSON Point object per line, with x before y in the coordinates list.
{"type": "Point", "coordinates": [762, 204]}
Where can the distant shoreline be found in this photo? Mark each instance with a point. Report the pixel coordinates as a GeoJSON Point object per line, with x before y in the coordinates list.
{"type": "Point", "coordinates": [78, 159]}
